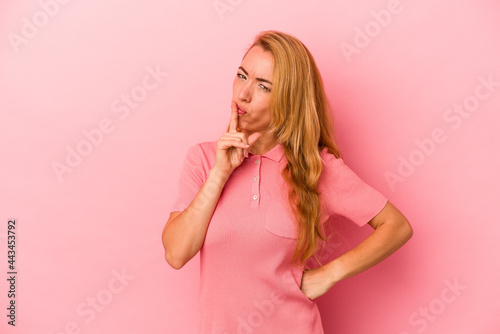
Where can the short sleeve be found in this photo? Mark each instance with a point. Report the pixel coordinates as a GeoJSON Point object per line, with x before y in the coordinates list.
{"type": "Point", "coordinates": [191, 179]}
{"type": "Point", "coordinates": [346, 195]}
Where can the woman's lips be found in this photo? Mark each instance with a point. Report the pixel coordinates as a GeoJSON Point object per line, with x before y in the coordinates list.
{"type": "Point", "coordinates": [241, 111]}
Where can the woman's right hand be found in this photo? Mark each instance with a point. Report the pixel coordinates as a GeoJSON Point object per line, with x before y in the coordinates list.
{"type": "Point", "coordinates": [233, 146]}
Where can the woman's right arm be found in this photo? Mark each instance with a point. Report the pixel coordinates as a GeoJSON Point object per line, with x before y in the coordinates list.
{"type": "Point", "coordinates": [185, 231]}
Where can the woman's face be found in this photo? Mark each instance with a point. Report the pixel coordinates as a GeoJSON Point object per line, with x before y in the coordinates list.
{"type": "Point", "coordinates": [252, 90]}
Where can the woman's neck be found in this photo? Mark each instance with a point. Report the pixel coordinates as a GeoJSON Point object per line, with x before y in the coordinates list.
{"type": "Point", "coordinates": [264, 144]}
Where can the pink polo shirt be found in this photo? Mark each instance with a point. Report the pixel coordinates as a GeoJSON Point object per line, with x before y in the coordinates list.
{"type": "Point", "coordinates": [247, 282]}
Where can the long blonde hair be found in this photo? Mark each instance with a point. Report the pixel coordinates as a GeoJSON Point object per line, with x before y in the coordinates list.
{"type": "Point", "coordinates": [302, 121]}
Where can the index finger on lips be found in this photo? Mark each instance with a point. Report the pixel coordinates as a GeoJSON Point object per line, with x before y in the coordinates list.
{"type": "Point", "coordinates": [233, 122]}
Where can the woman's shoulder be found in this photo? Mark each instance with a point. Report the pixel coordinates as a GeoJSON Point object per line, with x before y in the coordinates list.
{"type": "Point", "coordinates": [205, 147]}
{"type": "Point", "coordinates": [328, 157]}
{"type": "Point", "coordinates": [334, 167]}
{"type": "Point", "coordinates": [208, 146]}
{"type": "Point", "coordinates": [203, 152]}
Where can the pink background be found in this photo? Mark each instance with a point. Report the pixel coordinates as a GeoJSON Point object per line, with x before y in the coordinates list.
{"type": "Point", "coordinates": [65, 68]}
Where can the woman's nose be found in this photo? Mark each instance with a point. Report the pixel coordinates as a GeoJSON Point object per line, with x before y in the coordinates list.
{"type": "Point", "coordinates": [245, 93]}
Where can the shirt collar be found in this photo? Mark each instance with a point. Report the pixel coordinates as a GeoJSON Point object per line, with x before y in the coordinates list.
{"type": "Point", "coordinates": [275, 154]}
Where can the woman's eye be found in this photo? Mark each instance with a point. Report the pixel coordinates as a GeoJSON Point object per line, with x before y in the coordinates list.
{"type": "Point", "coordinates": [241, 76]}
{"type": "Point", "coordinates": [265, 88]}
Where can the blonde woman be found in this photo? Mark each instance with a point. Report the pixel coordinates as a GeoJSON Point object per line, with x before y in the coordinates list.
{"type": "Point", "coordinates": [255, 202]}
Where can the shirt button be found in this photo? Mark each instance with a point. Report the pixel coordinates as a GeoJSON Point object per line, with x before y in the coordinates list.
{"type": "Point", "coordinates": [257, 161]}
{"type": "Point", "coordinates": [255, 196]}
{"type": "Point", "coordinates": [256, 178]}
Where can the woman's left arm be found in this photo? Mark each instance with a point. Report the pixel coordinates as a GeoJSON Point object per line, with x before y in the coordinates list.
{"type": "Point", "coordinates": [391, 231]}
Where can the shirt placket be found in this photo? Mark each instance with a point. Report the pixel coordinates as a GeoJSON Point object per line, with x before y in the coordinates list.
{"type": "Point", "coordinates": [255, 195]}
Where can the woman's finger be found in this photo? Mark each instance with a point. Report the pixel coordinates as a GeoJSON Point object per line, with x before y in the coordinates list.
{"type": "Point", "coordinates": [245, 140]}
{"type": "Point", "coordinates": [241, 136]}
{"type": "Point", "coordinates": [236, 143]}
{"type": "Point", "coordinates": [253, 138]}
{"type": "Point", "coordinates": [233, 122]}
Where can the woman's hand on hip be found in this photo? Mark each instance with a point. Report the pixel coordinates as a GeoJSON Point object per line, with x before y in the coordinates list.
{"type": "Point", "coordinates": [315, 282]}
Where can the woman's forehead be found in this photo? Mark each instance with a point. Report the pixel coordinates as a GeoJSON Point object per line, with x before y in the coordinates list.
{"type": "Point", "coordinates": [258, 63]}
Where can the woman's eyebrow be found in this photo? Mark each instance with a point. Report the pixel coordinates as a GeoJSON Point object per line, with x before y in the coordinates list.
{"type": "Point", "coordinates": [258, 79]}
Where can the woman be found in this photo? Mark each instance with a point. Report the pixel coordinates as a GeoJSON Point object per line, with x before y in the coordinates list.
{"type": "Point", "coordinates": [254, 229]}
